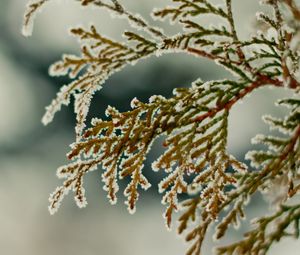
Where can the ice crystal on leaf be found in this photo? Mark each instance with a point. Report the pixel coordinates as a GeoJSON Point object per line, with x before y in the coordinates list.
{"type": "Point", "coordinates": [32, 7]}
{"type": "Point", "coordinates": [204, 182]}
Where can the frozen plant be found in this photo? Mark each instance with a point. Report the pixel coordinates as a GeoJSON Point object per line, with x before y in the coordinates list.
{"type": "Point", "coordinates": [194, 122]}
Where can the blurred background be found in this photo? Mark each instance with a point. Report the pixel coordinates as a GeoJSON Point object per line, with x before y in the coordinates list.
{"type": "Point", "coordinates": [30, 152]}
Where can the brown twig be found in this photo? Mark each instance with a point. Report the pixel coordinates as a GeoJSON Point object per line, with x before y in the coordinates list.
{"type": "Point", "coordinates": [262, 80]}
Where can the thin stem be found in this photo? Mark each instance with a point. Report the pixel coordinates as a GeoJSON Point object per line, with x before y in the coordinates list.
{"type": "Point", "coordinates": [139, 22]}
{"type": "Point", "coordinates": [236, 40]}
{"type": "Point", "coordinates": [261, 81]}
{"type": "Point", "coordinates": [260, 178]}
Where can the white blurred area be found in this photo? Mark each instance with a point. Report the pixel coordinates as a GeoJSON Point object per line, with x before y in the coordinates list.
{"type": "Point", "coordinates": [30, 153]}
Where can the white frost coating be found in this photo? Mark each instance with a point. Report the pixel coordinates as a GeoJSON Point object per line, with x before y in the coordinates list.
{"type": "Point", "coordinates": [249, 51]}
{"type": "Point", "coordinates": [261, 139]}
{"type": "Point", "coordinates": [28, 29]}
{"type": "Point", "coordinates": [134, 158]}
{"type": "Point", "coordinates": [62, 172]}
{"type": "Point", "coordinates": [115, 186]}
{"type": "Point", "coordinates": [134, 103]}
{"type": "Point", "coordinates": [247, 199]}
{"type": "Point", "coordinates": [81, 107]}
{"type": "Point", "coordinates": [197, 83]}
{"type": "Point", "coordinates": [134, 195]}
{"type": "Point", "coordinates": [250, 156]}
{"type": "Point", "coordinates": [268, 119]}
{"type": "Point", "coordinates": [95, 121]}
{"type": "Point", "coordinates": [82, 104]}
{"type": "Point", "coordinates": [257, 139]}
{"type": "Point", "coordinates": [64, 191]}
{"type": "Point", "coordinates": [156, 98]}
{"type": "Point", "coordinates": [59, 68]}
{"type": "Point", "coordinates": [154, 165]}
{"type": "Point", "coordinates": [179, 106]}
{"type": "Point", "coordinates": [159, 52]}
{"type": "Point", "coordinates": [158, 18]}
{"type": "Point", "coordinates": [111, 110]}
{"type": "Point", "coordinates": [62, 98]}
{"type": "Point", "coordinates": [30, 15]}
{"type": "Point", "coordinates": [207, 85]}
{"type": "Point", "coordinates": [147, 184]}
{"type": "Point", "coordinates": [239, 168]}
{"type": "Point", "coordinates": [54, 71]}
{"type": "Point", "coordinates": [272, 33]}
{"type": "Point", "coordinates": [171, 178]}
{"type": "Point", "coordinates": [81, 203]}
{"type": "Point", "coordinates": [282, 102]}
{"type": "Point", "coordinates": [131, 210]}
{"type": "Point", "coordinates": [194, 188]}
{"type": "Point", "coordinates": [259, 16]}
{"type": "Point", "coordinates": [136, 21]}
{"type": "Point", "coordinates": [171, 120]}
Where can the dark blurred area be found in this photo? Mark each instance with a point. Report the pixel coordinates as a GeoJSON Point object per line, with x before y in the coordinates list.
{"type": "Point", "coordinates": [30, 153]}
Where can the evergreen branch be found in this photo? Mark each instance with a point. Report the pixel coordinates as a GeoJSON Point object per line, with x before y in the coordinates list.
{"type": "Point", "coordinates": [280, 164]}
{"type": "Point", "coordinates": [136, 20]}
{"type": "Point", "coordinates": [29, 15]}
{"type": "Point", "coordinates": [268, 230]}
{"type": "Point", "coordinates": [189, 8]}
{"type": "Point", "coordinates": [273, 168]}
{"type": "Point", "coordinates": [197, 236]}
{"type": "Point", "coordinates": [264, 80]}
{"type": "Point", "coordinates": [131, 135]}
{"type": "Point", "coordinates": [101, 57]}
{"type": "Point", "coordinates": [194, 120]}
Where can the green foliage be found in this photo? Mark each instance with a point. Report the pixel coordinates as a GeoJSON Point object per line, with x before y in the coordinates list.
{"type": "Point", "coordinates": [193, 122]}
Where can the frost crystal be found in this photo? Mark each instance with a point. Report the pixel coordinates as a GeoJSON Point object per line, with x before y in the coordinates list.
{"type": "Point", "coordinates": [62, 98]}
{"type": "Point", "coordinates": [134, 103]}
{"type": "Point", "coordinates": [202, 179]}
{"type": "Point", "coordinates": [31, 10]}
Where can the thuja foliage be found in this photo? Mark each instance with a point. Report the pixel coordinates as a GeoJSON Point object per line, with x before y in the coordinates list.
{"type": "Point", "coordinates": [216, 186]}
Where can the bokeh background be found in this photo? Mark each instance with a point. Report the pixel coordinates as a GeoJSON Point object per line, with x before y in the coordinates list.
{"type": "Point", "coordinates": [30, 153]}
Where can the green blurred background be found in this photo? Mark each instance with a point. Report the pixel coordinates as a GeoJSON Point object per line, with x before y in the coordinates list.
{"type": "Point", "coordinates": [30, 153]}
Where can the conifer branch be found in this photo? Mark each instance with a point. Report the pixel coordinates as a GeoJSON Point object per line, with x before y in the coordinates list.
{"type": "Point", "coordinates": [136, 20]}
{"type": "Point", "coordinates": [193, 122]}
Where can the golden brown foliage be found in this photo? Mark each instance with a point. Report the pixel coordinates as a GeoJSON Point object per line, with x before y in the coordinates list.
{"type": "Point", "coordinates": [193, 122]}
